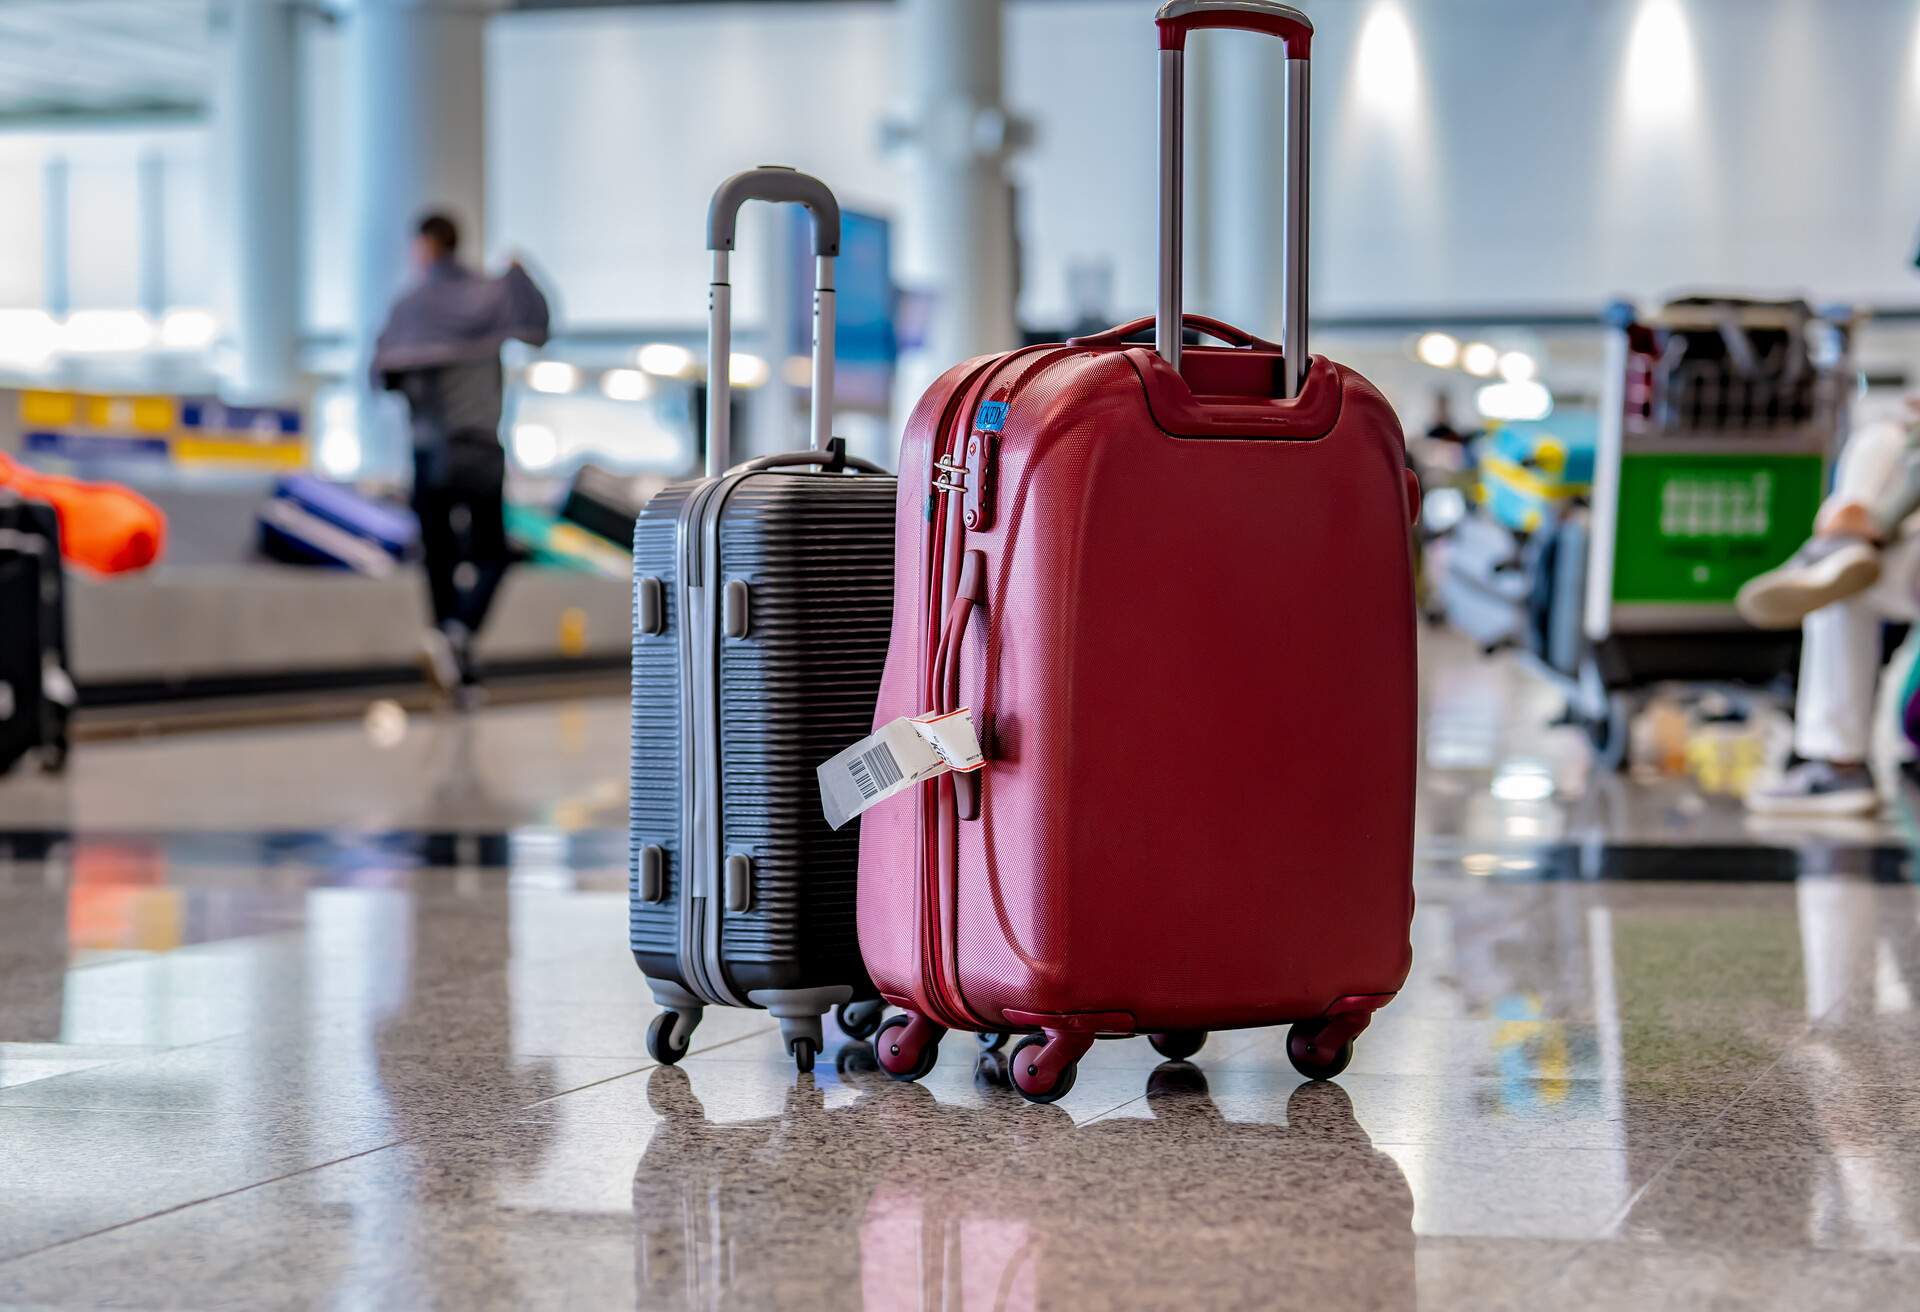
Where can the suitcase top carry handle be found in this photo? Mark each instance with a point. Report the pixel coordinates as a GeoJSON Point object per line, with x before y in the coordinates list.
{"type": "Point", "coordinates": [1214, 328]}
{"type": "Point", "coordinates": [1175, 19]}
{"type": "Point", "coordinates": [779, 184]}
{"type": "Point", "coordinates": [835, 456]}
{"type": "Point", "coordinates": [769, 182]}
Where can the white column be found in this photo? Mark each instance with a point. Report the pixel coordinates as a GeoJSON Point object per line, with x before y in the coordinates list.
{"type": "Point", "coordinates": [957, 238]}
{"type": "Point", "coordinates": [1248, 112]}
{"type": "Point", "coordinates": [415, 103]}
{"type": "Point", "coordinates": [256, 154]}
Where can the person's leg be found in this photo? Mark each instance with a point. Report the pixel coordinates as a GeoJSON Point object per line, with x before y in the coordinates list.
{"type": "Point", "coordinates": [439, 549]}
{"type": "Point", "coordinates": [1839, 666]}
{"type": "Point", "coordinates": [480, 478]}
{"type": "Point", "coordinates": [440, 552]}
{"type": "Point", "coordinates": [1844, 557]}
{"type": "Point", "coordinates": [1833, 711]}
{"type": "Point", "coordinates": [488, 552]}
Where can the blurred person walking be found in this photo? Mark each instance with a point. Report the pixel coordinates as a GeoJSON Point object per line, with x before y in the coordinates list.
{"type": "Point", "coordinates": [440, 349]}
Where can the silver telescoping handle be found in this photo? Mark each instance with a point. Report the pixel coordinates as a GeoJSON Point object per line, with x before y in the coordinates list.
{"type": "Point", "coordinates": [1175, 19]}
{"type": "Point", "coordinates": [769, 182]}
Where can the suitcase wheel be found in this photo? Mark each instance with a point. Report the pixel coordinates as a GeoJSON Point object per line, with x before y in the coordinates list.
{"type": "Point", "coordinates": [803, 1050]}
{"type": "Point", "coordinates": [991, 1040]}
{"type": "Point", "coordinates": [661, 1034]}
{"type": "Point", "coordinates": [1311, 1057]}
{"type": "Point", "coordinates": [860, 1020]}
{"type": "Point", "coordinates": [1178, 1045]}
{"type": "Point", "coordinates": [1045, 1065]}
{"type": "Point", "coordinates": [907, 1046]}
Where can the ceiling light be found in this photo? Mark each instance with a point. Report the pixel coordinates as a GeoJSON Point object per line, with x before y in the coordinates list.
{"type": "Point", "coordinates": [27, 337]}
{"type": "Point", "coordinates": [1387, 71]}
{"type": "Point", "coordinates": [1441, 350]}
{"type": "Point", "coordinates": [1514, 402]}
{"type": "Point", "coordinates": [746, 370]}
{"type": "Point", "coordinates": [626, 385]}
{"type": "Point", "coordinates": [552, 376]}
{"type": "Point", "coordinates": [106, 332]}
{"type": "Point", "coordinates": [535, 446]}
{"type": "Point", "coordinates": [1518, 367]}
{"type": "Point", "coordinates": [665, 360]}
{"type": "Point", "coordinates": [188, 330]}
{"type": "Point", "coordinates": [1480, 360]}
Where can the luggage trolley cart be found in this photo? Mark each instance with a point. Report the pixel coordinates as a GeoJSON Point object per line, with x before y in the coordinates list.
{"type": "Point", "coordinates": [1719, 421]}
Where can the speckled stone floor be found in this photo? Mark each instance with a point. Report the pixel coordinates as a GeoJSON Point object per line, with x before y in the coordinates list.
{"type": "Point", "coordinates": [362, 1031]}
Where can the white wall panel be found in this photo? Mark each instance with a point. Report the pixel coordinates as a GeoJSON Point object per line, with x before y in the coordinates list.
{"type": "Point", "coordinates": [609, 129]}
{"type": "Point", "coordinates": [1515, 164]}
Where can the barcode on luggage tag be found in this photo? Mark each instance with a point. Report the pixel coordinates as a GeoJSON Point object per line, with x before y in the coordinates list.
{"type": "Point", "coordinates": [893, 759]}
{"type": "Point", "coordinates": [874, 770]}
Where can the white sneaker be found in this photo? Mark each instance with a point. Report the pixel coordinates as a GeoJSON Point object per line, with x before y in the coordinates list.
{"type": "Point", "coordinates": [1818, 788]}
{"type": "Point", "coordinates": [1826, 570]}
{"type": "Point", "coordinates": [438, 659]}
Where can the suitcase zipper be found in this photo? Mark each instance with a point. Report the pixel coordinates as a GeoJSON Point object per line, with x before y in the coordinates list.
{"type": "Point", "coordinates": [703, 833]}
{"type": "Point", "coordinates": [944, 1004]}
{"type": "Point", "coordinates": [947, 548]}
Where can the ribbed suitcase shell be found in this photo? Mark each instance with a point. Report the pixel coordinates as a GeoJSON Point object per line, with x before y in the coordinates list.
{"type": "Point", "coordinates": [816, 553]}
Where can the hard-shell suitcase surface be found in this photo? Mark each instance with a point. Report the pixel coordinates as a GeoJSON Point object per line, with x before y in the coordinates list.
{"type": "Point", "coordinates": [381, 526]}
{"type": "Point", "coordinates": [607, 503]}
{"type": "Point", "coordinates": [762, 600]}
{"type": "Point", "coordinates": [1174, 589]}
{"type": "Point", "coordinates": [1532, 473]}
{"type": "Point", "coordinates": [36, 694]}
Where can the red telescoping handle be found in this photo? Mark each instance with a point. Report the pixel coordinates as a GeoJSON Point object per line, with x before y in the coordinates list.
{"type": "Point", "coordinates": [1283, 21]}
{"type": "Point", "coordinates": [1175, 19]}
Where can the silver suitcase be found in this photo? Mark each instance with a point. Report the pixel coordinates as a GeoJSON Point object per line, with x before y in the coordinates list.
{"type": "Point", "coordinates": [763, 600]}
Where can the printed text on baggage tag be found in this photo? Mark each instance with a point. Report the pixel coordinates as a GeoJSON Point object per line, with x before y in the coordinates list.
{"type": "Point", "coordinates": [895, 758]}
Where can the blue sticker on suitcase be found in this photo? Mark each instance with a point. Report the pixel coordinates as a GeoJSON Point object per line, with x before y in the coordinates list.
{"type": "Point", "coordinates": [992, 415]}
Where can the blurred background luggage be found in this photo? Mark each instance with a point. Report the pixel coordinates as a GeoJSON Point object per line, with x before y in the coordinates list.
{"type": "Point", "coordinates": [36, 694]}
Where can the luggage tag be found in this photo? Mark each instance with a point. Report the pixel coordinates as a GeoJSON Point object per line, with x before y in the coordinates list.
{"type": "Point", "coordinates": [893, 759]}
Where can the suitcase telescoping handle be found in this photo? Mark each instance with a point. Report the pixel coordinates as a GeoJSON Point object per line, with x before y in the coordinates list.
{"type": "Point", "coordinates": [1177, 18]}
{"type": "Point", "coordinates": [770, 182]}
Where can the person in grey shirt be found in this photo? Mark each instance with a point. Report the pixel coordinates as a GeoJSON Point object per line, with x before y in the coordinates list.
{"type": "Point", "coordinates": [440, 349]}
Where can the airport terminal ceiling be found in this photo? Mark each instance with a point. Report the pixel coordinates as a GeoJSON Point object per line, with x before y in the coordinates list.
{"type": "Point", "coordinates": [114, 58]}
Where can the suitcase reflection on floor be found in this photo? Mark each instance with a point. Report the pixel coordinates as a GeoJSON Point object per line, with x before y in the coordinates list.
{"type": "Point", "coordinates": [901, 1200]}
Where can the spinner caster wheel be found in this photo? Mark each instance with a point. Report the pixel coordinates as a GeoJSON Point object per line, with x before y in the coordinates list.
{"type": "Point", "coordinates": [860, 1020]}
{"type": "Point", "coordinates": [1313, 1058]}
{"type": "Point", "coordinates": [803, 1050]}
{"type": "Point", "coordinates": [1178, 1045]}
{"type": "Point", "coordinates": [660, 1038]}
{"type": "Point", "coordinates": [1031, 1076]}
{"type": "Point", "coordinates": [991, 1040]}
{"type": "Point", "coordinates": [907, 1046]}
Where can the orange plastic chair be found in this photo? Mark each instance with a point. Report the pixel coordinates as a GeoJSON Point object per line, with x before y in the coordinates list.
{"type": "Point", "coordinates": [103, 526]}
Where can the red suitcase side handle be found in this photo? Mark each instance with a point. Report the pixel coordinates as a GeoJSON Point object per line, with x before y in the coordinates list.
{"type": "Point", "coordinates": [1179, 17]}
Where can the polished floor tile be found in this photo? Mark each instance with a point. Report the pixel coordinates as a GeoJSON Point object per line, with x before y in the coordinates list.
{"type": "Point", "coordinates": [374, 1039]}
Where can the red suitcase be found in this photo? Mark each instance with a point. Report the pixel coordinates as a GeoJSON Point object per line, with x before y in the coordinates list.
{"type": "Point", "coordinates": [1174, 589]}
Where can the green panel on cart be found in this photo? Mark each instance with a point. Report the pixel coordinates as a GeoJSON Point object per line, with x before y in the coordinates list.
{"type": "Point", "coordinates": [1693, 528]}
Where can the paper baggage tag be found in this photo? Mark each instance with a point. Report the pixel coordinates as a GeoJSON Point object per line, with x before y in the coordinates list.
{"type": "Point", "coordinates": [895, 758]}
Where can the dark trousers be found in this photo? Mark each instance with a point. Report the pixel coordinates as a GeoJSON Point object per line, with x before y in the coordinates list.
{"type": "Point", "coordinates": [459, 495]}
